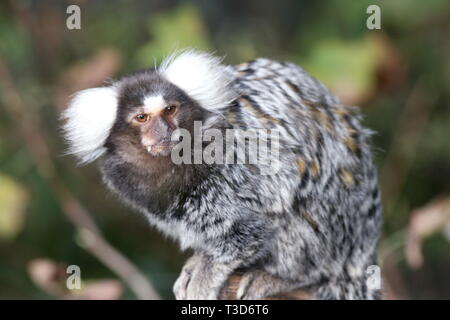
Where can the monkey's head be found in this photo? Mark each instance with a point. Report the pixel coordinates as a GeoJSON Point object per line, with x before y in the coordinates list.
{"type": "Point", "coordinates": [150, 110]}
{"type": "Point", "coordinates": [136, 117]}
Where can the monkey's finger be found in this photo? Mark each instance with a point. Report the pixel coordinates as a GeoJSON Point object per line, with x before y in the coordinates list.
{"type": "Point", "coordinates": [181, 284]}
{"type": "Point", "coordinates": [244, 284]}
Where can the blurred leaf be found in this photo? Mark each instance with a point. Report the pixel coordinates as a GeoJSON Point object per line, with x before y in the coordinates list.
{"type": "Point", "coordinates": [13, 201]}
{"type": "Point", "coordinates": [177, 29]}
{"type": "Point", "coordinates": [346, 67]}
{"type": "Point", "coordinates": [116, 27]}
{"type": "Point", "coordinates": [407, 13]}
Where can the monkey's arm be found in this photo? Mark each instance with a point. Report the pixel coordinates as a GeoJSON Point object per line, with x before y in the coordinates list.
{"type": "Point", "coordinates": [206, 273]}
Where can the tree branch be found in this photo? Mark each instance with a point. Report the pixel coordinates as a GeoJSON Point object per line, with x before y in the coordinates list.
{"type": "Point", "coordinates": [91, 236]}
{"type": "Point", "coordinates": [230, 290]}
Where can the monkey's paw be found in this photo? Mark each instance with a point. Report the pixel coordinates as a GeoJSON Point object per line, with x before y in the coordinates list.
{"type": "Point", "coordinates": [181, 284]}
{"type": "Point", "coordinates": [201, 279]}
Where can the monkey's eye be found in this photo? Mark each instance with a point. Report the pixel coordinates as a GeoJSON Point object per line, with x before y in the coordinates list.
{"type": "Point", "coordinates": [170, 109]}
{"type": "Point", "coordinates": [142, 117]}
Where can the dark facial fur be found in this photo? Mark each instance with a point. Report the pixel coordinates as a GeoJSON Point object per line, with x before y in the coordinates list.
{"type": "Point", "coordinates": [150, 179]}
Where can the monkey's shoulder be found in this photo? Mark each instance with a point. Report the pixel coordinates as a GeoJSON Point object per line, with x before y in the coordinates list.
{"type": "Point", "coordinates": [265, 75]}
{"type": "Point", "coordinates": [277, 92]}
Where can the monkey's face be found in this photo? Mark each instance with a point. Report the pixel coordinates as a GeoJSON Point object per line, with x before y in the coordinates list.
{"type": "Point", "coordinates": [135, 118]}
{"type": "Point", "coordinates": [150, 109]}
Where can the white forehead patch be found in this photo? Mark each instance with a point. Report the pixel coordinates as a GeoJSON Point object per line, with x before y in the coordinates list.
{"type": "Point", "coordinates": [154, 104]}
{"type": "Point", "coordinates": [201, 76]}
{"type": "Point", "coordinates": [89, 118]}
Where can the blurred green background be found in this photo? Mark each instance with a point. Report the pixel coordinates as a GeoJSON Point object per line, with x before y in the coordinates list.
{"type": "Point", "coordinates": [399, 75]}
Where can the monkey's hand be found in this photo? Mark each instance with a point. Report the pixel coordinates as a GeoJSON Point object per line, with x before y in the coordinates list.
{"type": "Point", "coordinates": [201, 279]}
{"type": "Point", "coordinates": [181, 285]}
{"type": "Point", "coordinates": [205, 275]}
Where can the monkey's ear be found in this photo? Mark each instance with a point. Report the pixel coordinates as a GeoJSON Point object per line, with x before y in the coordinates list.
{"type": "Point", "coordinates": [89, 118]}
{"type": "Point", "coordinates": [202, 76]}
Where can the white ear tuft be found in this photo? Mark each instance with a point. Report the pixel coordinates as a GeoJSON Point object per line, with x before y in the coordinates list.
{"type": "Point", "coordinates": [90, 117]}
{"type": "Point", "coordinates": [201, 76]}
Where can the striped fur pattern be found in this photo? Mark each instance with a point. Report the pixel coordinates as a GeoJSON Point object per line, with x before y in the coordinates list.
{"type": "Point", "coordinates": [314, 224]}
{"type": "Point", "coordinates": [325, 202]}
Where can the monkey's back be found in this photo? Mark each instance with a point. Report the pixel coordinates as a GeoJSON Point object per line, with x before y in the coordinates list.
{"type": "Point", "coordinates": [324, 202]}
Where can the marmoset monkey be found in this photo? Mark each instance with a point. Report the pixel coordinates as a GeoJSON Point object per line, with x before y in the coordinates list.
{"type": "Point", "coordinates": [313, 223]}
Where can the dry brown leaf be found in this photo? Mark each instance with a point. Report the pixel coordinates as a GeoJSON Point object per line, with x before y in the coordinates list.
{"type": "Point", "coordinates": [47, 275]}
{"type": "Point", "coordinates": [425, 221]}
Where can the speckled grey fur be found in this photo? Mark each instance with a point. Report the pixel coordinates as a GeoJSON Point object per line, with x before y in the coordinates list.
{"type": "Point", "coordinates": [314, 224]}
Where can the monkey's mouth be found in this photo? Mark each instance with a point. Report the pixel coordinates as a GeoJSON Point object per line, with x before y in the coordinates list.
{"type": "Point", "coordinates": [160, 149]}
